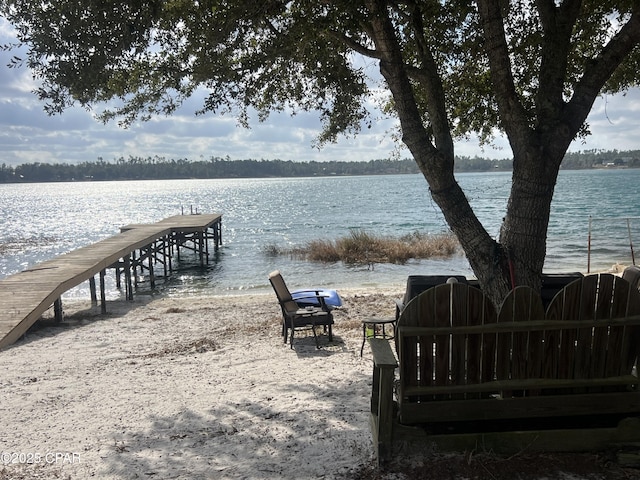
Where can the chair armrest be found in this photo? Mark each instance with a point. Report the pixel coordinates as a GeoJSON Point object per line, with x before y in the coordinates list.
{"type": "Point", "coordinates": [399, 307]}
{"type": "Point", "coordinates": [326, 299]}
{"type": "Point", "coordinates": [384, 365]}
{"type": "Point", "coordinates": [383, 356]}
{"type": "Point", "coordinates": [314, 293]}
{"type": "Point", "coordinates": [322, 303]}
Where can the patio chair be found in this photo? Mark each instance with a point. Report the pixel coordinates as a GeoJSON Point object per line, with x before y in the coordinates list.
{"type": "Point", "coordinates": [296, 317]}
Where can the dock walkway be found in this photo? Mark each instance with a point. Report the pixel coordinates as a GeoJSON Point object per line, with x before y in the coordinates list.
{"type": "Point", "coordinates": [25, 296]}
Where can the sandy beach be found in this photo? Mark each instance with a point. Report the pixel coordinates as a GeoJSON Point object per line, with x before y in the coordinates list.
{"type": "Point", "coordinates": [187, 388]}
{"type": "Point", "coordinates": [205, 388]}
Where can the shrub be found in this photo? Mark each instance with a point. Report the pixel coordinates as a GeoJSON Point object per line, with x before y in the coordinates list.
{"type": "Point", "coordinates": [361, 247]}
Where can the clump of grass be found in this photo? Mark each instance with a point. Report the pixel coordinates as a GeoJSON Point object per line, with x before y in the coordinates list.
{"type": "Point", "coordinates": [272, 250]}
{"type": "Point", "coordinates": [423, 245]}
{"type": "Point", "coordinates": [361, 247]}
{"type": "Point", "coordinates": [319, 251]}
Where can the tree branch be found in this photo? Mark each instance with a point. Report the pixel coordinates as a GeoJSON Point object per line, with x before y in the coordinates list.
{"type": "Point", "coordinates": [392, 69]}
{"type": "Point", "coordinates": [601, 68]}
{"type": "Point", "coordinates": [557, 25]}
{"type": "Point", "coordinates": [355, 46]}
{"type": "Point", "coordinates": [433, 87]}
{"type": "Point", "coordinates": [514, 118]}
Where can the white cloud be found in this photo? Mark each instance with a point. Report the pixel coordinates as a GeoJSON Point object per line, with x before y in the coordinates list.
{"type": "Point", "coordinates": [613, 123]}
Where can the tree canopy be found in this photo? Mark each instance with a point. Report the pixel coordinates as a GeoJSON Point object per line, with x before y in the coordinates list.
{"type": "Point", "coordinates": [529, 68]}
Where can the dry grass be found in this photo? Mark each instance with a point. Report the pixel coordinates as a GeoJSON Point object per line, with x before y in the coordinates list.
{"type": "Point", "coordinates": [200, 345]}
{"type": "Point", "coordinates": [361, 247]}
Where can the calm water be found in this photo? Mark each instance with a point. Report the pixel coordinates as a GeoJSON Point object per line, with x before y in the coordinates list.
{"type": "Point", "coordinates": [39, 221]}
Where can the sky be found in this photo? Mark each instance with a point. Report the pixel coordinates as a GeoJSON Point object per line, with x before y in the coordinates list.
{"type": "Point", "coordinates": [28, 134]}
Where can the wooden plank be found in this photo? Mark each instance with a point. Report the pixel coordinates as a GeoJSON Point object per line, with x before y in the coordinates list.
{"type": "Point", "coordinates": [422, 350]}
{"type": "Point", "coordinates": [26, 295]}
{"type": "Point", "coordinates": [441, 318]}
{"type": "Point", "coordinates": [508, 443]}
{"type": "Point", "coordinates": [489, 339]}
{"type": "Point", "coordinates": [533, 325]}
{"type": "Point", "coordinates": [480, 348]}
{"type": "Point", "coordinates": [474, 316]}
{"type": "Point", "coordinates": [570, 311]}
{"type": "Point", "coordinates": [612, 297]}
{"type": "Point", "coordinates": [551, 345]}
{"type": "Point", "coordinates": [626, 302]}
{"type": "Point", "coordinates": [456, 297]}
{"type": "Point", "coordinates": [383, 356]}
{"type": "Point", "coordinates": [520, 340]}
{"type": "Point", "coordinates": [384, 364]}
{"type": "Point", "coordinates": [541, 406]}
{"type": "Point", "coordinates": [498, 386]}
{"type": "Point", "coordinates": [504, 344]}
{"type": "Point", "coordinates": [588, 306]}
{"type": "Point", "coordinates": [408, 348]}
{"type": "Point", "coordinates": [622, 304]}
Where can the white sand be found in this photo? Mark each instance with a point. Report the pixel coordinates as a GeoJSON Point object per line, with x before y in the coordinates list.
{"type": "Point", "coordinates": [188, 388]}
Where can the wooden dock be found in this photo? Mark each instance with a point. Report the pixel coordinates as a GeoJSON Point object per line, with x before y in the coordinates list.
{"type": "Point", "coordinates": [25, 296]}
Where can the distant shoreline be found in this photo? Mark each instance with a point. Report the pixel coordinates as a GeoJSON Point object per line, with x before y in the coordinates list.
{"type": "Point", "coordinates": [160, 168]}
{"type": "Point", "coordinates": [88, 180]}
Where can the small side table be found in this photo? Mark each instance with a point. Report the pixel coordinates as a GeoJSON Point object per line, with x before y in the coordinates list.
{"type": "Point", "coordinates": [370, 327]}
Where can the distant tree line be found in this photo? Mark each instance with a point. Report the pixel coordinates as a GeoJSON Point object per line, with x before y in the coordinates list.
{"type": "Point", "coordinates": [601, 159]}
{"type": "Point", "coordinates": [159, 168]}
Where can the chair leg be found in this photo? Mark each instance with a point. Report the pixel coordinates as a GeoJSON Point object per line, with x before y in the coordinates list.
{"type": "Point", "coordinates": [291, 340]}
{"type": "Point", "coordinates": [315, 336]}
{"type": "Point", "coordinates": [330, 333]}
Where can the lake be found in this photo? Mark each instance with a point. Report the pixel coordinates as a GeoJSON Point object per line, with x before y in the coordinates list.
{"type": "Point", "coordinates": [40, 221]}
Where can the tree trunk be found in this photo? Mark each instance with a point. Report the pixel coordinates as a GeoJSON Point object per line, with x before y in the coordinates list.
{"type": "Point", "coordinates": [524, 229]}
